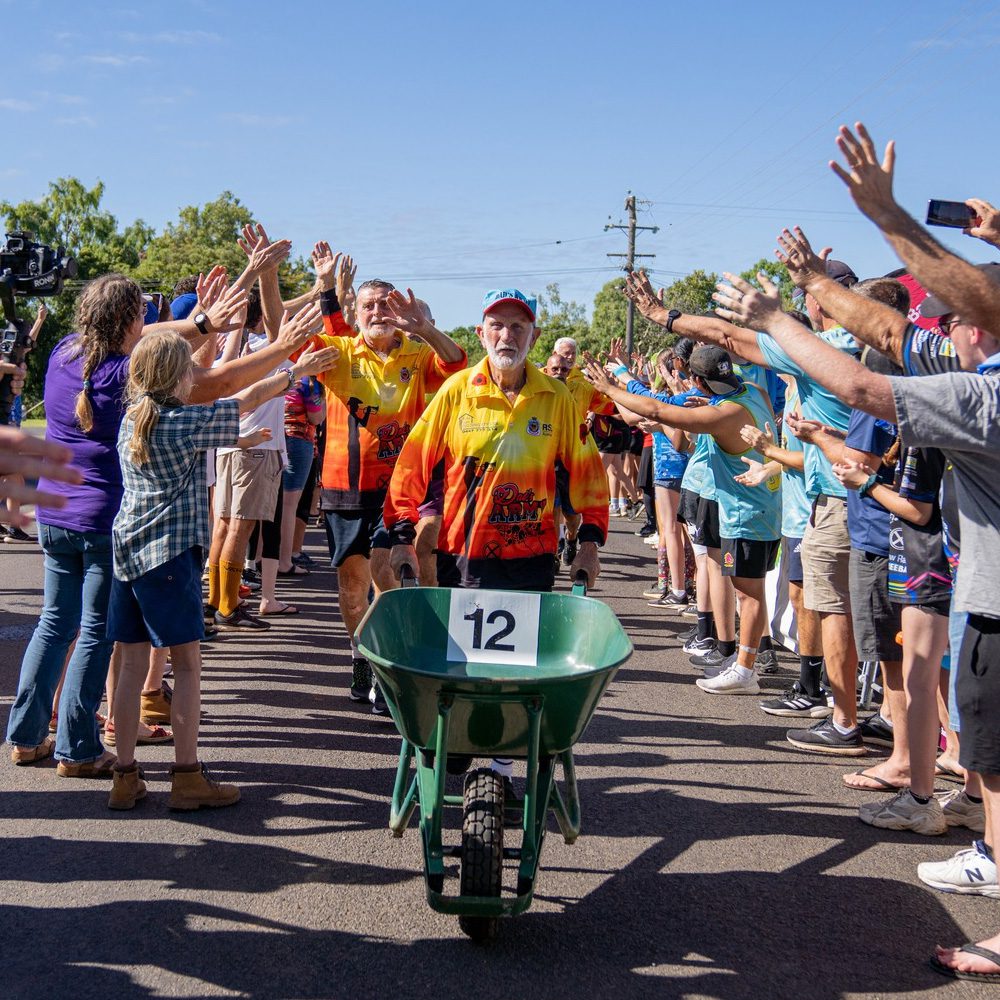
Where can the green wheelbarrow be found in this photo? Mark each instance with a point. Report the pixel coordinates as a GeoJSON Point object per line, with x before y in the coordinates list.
{"type": "Point", "coordinates": [481, 673]}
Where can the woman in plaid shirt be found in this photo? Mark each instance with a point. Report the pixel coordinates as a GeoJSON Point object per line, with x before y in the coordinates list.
{"type": "Point", "coordinates": [158, 538]}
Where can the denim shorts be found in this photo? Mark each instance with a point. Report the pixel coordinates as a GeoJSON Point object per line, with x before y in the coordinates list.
{"type": "Point", "coordinates": [300, 460]}
{"type": "Point", "coordinates": [162, 607]}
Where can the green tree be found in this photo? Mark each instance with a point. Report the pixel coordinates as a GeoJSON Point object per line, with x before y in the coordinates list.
{"type": "Point", "coordinates": [71, 214]}
{"type": "Point", "coordinates": [558, 318]}
{"type": "Point", "coordinates": [777, 272]}
{"type": "Point", "coordinates": [465, 337]}
{"type": "Point", "coordinates": [610, 312]}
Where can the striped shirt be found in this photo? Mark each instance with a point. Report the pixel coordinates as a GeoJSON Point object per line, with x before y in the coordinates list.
{"type": "Point", "coordinates": [164, 511]}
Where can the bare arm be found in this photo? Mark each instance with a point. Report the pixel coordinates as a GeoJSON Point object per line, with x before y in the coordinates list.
{"type": "Point", "coordinates": [853, 474]}
{"type": "Point", "coordinates": [967, 289]}
{"type": "Point", "coordinates": [870, 322]}
{"type": "Point", "coordinates": [254, 241]}
{"type": "Point", "coordinates": [848, 380]}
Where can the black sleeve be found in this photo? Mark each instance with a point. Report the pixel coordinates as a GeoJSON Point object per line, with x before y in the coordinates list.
{"type": "Point", "coordinates": [928, 353]}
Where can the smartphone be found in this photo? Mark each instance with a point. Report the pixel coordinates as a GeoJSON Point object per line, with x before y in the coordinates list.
{"type": "Point", "coordinates": [953, 214]}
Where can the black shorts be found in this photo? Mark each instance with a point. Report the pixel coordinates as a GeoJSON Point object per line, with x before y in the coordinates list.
{"type": "Point", "coordinates": [526, 573]}
{"type": "Point", "coordinates": [687, 509]}
{"type": "Point", "coordinates": [355, 533]}
{"type": "Point", "coordinates": [792, 549]}
{"type": "Point", "coordinates": [635, 445]}
{"type": "Point", "coordinates": [749, 559]}
{"type": "Point", "coordinates": [644, 480]}
{"type": "Point", "coordinates": [705, 530]}
{"type": "Point", "coordinates": [978, 694]}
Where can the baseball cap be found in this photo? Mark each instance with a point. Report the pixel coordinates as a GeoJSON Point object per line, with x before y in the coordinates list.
{"type": "Point", "coordinates": [182, 306]}
{"type": "Point", "coordinates": [932, 306]}
{"type": "Point", "coordinates": [499, 295]}
{"type": "Point", "coordinates": [715, 366]}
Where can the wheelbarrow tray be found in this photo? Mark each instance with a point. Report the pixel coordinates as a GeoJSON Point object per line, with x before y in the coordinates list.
{"type": "Point", "coordinates": [405, 637]}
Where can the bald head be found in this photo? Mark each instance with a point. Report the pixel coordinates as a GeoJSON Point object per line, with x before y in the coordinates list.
{"type": "Point", "coordinates": [558, 367]}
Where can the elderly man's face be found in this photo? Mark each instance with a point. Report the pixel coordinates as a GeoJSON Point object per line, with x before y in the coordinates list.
{"type": "Point", "coordinates": [374, 317]}
{"type": "Point", "coordinates": [507, 334]}
{"type": "Point", "coordinates": [558, 367]}
{"type": "Point", "coordinates": [568, 352]}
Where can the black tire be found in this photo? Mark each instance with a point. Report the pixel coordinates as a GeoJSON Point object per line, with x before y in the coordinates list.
{"type": "Point", "coordinates": [482, 848]}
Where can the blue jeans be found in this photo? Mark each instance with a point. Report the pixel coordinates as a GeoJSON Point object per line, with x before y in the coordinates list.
{"type": "Point", "coordinates": [77, 591]}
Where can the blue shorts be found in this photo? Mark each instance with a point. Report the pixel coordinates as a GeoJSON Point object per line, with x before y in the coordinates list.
{"type": "Point", "coordinates": [300, 460]}
{"type": "Point", "coordinates": [355, 533]}
{"type": "Point", "coordinates": [669, 484]}
{"type": "Point", "coordinates": [793, 554]}
{"type": "Point", "coordinates": [162, 606]}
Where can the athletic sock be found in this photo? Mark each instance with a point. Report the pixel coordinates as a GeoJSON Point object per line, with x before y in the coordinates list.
{"type": "Point", "coordinates": [727, 647]}
{"type": "Point", "coordinates": [843, 730]}
{"type": "Point", "coordinates": [977, 799]}
{"type": "Point", "coordinates": [922, 799]}
{"type": "Point", "coordinates": [214, 584]}
{"type": "Point", "coordinates": [810, 671]}
{"type": "Point", "coordinates": [705, 625]}
{"type": "Point", "coordinates": [230, 575]}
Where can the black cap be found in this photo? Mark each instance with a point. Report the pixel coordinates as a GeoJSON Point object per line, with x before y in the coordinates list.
{"type": "Point", "coordinates": [932, 306]}
{"type": "Point", "coordinates": [715, 366]}
{"type": "Point", "coordinates": [836, 270]}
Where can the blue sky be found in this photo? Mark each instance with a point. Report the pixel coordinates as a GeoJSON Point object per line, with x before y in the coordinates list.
{"type": "Point", "coordinates": [450, 145]}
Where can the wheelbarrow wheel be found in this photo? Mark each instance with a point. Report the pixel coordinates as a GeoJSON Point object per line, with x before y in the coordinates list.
{"type": "Point", "coordinates": [482, 848]}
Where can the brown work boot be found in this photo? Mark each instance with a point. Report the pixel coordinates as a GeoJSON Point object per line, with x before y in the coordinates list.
{"type": "Point", "coordinates": [154, 708]}
{"type": "Point", "coordinates": [127, 789]}
{"type": "Point", "coordinates": [192, 789]}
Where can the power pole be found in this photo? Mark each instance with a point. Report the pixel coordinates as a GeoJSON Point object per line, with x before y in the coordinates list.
{"type": "Point", "coordinates": [630, 258]}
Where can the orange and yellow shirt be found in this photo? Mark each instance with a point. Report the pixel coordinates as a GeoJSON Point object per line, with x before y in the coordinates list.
{"type": "Point", "coordinates": [500, 462]}
{"type": "Point", "coordinates": [371, 405]}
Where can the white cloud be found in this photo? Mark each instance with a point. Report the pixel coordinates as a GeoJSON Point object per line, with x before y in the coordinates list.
{"type": "Point", "coordinates": [85, 121]}
{"type": "Point", "coordinates": [115, 61]}
{"type": "Point", "coordinates": [172, 37]}
{"type": "Point", "coordinates": [13, 104]}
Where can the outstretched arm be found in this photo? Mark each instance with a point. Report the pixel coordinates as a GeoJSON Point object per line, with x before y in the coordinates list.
{"type": "Point", "coordinates": [841, 374]}
{"type": "Point", "coordinates": [965, 288]}
{"type": "Point", "coordinates": [869, 321]}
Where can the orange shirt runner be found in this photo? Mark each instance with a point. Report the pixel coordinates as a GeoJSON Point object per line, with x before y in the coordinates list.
{"type": "Point", "coordinates": [371, 405]}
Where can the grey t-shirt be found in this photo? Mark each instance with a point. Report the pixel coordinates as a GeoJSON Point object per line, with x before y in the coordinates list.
{"type": "Point", "coordinates": [960, 413]}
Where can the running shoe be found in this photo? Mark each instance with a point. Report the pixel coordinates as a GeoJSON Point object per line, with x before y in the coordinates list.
{"type": "Point", "coordinates": [361, 679]}
{"type": "Point", "coordinates": [970, 872]}
{"type": "Point", "coordinates": [646, 530]}
{"type": "Point", "coordinates": [670, 601]}
{"type": "Point", "coordinates": [960, 810]}
{"type": "Point", "coordinates": [795, 703]}
{"type": "Point", "coordinates": [699, 647]}
{"type": "Point", "coordinates": [824, 737]}
{"type": "Point", "coordinates": [710, 658]}
{"type": "Point", "coordinates": [730, 681]}
{"type": "Point", "coordinates": [14, 534]}
{"type": "Point", "coordinates": [656, 591]}
{"type": "Point", "coordinates": [876, 730]}
{"type": "Point", "coordinates": [569, 553]}
{"type": "Point", "coordinates": [375, 696]}
{"type": "Point", "coordinates": [767, 662]}
{"type": "Point", "coordinates": [904, 812]}
{"type": "Point", "coordinates": [241, 620]}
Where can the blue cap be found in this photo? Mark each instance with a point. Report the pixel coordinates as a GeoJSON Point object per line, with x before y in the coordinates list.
{"type": "Point", "coordinates": [181, 307]}
{"type": "Point", "coordinates": [152, 313]}
{"type": "Point", "coordinates": [499, 295]}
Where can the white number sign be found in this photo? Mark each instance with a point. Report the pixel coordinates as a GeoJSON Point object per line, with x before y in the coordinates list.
{"type": "Point", "coordinates": [492, 626]}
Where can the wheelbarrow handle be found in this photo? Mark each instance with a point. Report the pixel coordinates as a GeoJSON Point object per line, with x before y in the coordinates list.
{"type": "Point", "coordinates": [580, 583]}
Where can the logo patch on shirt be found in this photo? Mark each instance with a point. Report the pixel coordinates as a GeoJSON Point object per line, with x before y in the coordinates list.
{"type": "Point", "coordinates": [468, 424]}
{"type": "Point", "coordinates": [356, 371]}
{"type": "Point", "coordinates": [534, 427]}
{"type": "Point", "coordinates": [728, 561]}
{"type": "Point", "coordinates": [404, 375]}
{"type": "Point", "coordinates": [479, 379]}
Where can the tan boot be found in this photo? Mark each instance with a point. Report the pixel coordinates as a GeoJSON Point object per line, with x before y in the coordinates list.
{"type": "Point", "coordinates": [154, 707]}
{"type": "Point", "coordinates": [194, 789]}
{"type": "Point", "coordinates": [127, 788]}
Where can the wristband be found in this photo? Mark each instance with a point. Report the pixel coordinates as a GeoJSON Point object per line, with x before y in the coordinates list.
{"type": "Point", "coordinates": [748, 649]}
{"type": "Point", "coordinates": [674, 314]}
{"type": "Point", "coordinates": [620, 370]}
{"type": "Point", "coordinates": [867, 485]}
{"type": "Point", "coordinates": [291, 375]}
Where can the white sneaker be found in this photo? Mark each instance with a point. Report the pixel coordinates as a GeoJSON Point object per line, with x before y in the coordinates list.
{"type": "Point", "coordinates": [970, 873]}
{"type": "Point", "coordinates": [960, 810]}
{"type": "Point", "coordinates": [904, 812]}
{"type": "Point", "coordinates": [653, 541]}
{"type": "Point", "coordinates": [729, 681]}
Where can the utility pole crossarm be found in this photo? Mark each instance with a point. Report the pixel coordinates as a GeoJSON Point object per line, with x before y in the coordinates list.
{"type": "Point", "coordinates": [631, 228]}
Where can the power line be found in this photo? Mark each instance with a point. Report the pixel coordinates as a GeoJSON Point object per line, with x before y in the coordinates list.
{"type": "Point", "coordinates": [630, 258]}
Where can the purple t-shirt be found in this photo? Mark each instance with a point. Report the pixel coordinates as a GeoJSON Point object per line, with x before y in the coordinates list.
{"type": "Point", "coordinates": [92, 505]}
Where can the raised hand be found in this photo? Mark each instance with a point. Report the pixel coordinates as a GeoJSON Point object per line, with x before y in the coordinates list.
{"type": "Point", "coordinates": [804, 430]}
{"type": "Point", "coordinates": [406, 312]}
{"type": "Point", "coordinates": [868, 180]}
{"type": "Point", "coordinates": [756, 473]}
{"type": "Point", "coordinates": [346, 270]}
{"type": "Point", "coordinates": [296, 330]}
{"type": "Point", "coordinates": [325, 262]}
{"type": "Point", "coordinates": [315, 360]}
{"type": "Point", "coordinates": [227, 310]}
{"type": "Point", "coordinates": [616, 352]}
{"type": "Point", "coordinates": [640, 291]}
{"type": "Point", "coordinates": [210, 286]}
{"type": "Point", "coordinates": [987, 223]}
{"type": "Point", "coordinates": [852, 474]}
{"type": "Point", "coordinates": [756, 438]}
{"type": "Point", "coordinates": [804, 265]}
{"type": "Point", "coordinates": [740, 302]}
{"type": "Point", "coordinates": [596, 375]}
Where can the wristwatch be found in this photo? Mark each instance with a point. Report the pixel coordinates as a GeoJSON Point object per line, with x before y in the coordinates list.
{"type": "Point", "coordinates": [291, 376]}
{"type": "Point", "coordinates": [671, 316]}
{"type": "Point", "coordinates": [200, 320]}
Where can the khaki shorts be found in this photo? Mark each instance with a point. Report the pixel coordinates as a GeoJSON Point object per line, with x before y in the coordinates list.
{"type": "Point", "coordinates": [826, 555]}
{"type": "Point", "coordinates": [247, 484]}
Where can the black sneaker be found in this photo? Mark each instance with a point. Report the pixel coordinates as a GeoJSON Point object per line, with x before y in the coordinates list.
{"type": "Point", "coordinates": [691, 635]}
{"type": "Point", "coordinates": [13, 534]}
{"type": "Point", "coordinates": [241, 619]}
{"type": "Point", "coordinates": [637, 508]}
{"type": "Point", "coordinates": [795, 703]}
{"type": "Point", "coordinates": [698, 647]}
{"type": "Point", "coordinates": [824, 738]}
{"type": "Point", "coordinates": [361, 679]}
{"type": "Point", "coordinates": [208, 612]}
{"type": "Point", "coordinates": [670, 601]}
{"type": "Point", "coordinates": [248, 581]}
{"type": "Point", "coordinates": [375, 696]}
{"type": "Point", "coordinates": [569, 553]}
{"type": "Point", "coordinates": [767, 662]}
{"type": "Point", "coordinates": [303, 559]}
{"type": "Point", "coordinates": [876, 730]}
{"type": "Point", "coordinates": [646, 530]}
{"type": "Point", "coordinates": [710, 658]}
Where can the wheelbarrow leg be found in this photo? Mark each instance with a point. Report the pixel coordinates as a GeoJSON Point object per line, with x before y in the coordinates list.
{"type": "Point", "coordinates": [567, 810]}
{"type": "Point", "coordinates": [432, 783]}
{"type": "Point", "coordinates": [537, 789]}
{"type": "Point", "coordinates": [404, 799]}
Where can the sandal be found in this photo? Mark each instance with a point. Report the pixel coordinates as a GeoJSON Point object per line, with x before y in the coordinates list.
{"type": "Point", "coordinates": [103, 767]}
{"type": "Point", "coordinates": [285, 609]}
{"type": "Point", "coordinates": [32, 755]}
{"type": "Point", "coordinates": [970, 949]}
{"type": "Point", "coordinates": [945, 768]}
{"type": "Point", "coordinates": [294, 571]}
{"type": "Point", "coordinates": [155, 736]}
{"type": "Point", "coordinates": [880, 784]}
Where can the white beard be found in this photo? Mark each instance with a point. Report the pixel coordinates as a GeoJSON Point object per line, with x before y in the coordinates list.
{"type": "Point", "coordinates": [504, 361]}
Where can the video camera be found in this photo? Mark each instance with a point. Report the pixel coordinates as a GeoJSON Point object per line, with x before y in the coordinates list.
{"type": "Point", "coordinates": [27, 268]}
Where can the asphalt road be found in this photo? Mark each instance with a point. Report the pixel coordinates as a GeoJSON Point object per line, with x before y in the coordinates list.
{"type": "Point", "coordinates": [715, 861]}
